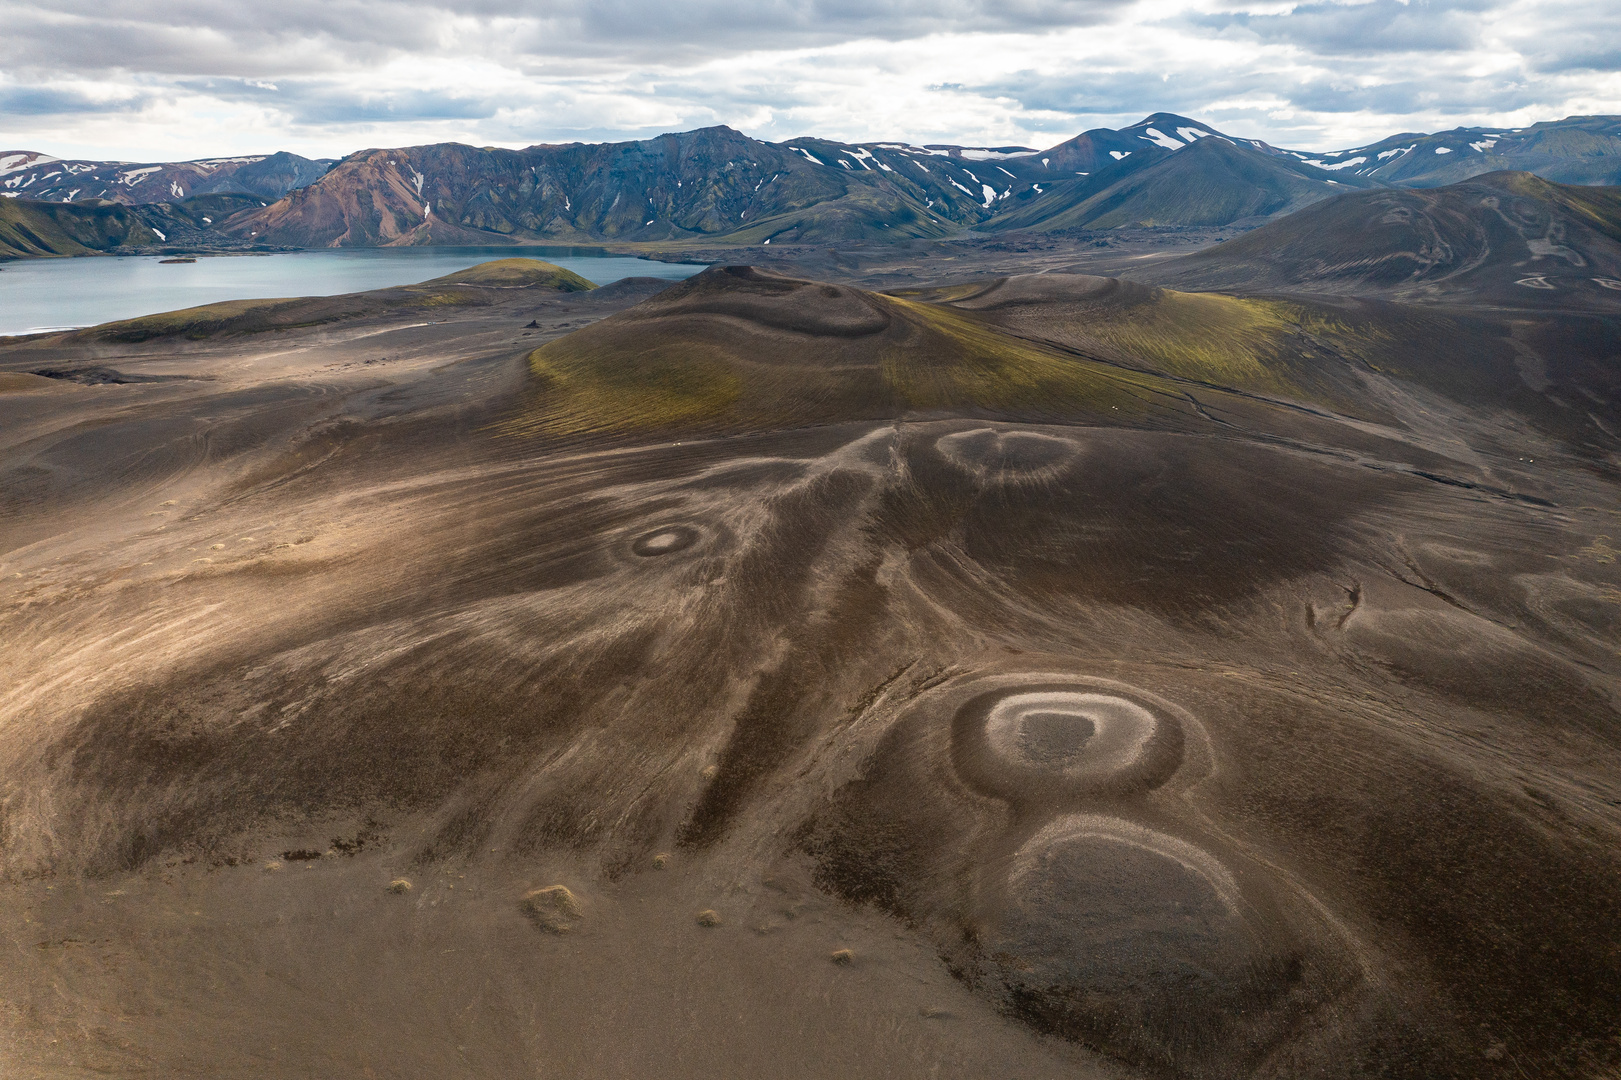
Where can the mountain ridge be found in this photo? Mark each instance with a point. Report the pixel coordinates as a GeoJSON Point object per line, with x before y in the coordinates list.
{"type": "Point", "coordinates": [719, 185]}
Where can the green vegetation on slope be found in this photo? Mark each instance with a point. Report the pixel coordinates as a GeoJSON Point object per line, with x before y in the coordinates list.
{"type": "Point", "coordinates": [1253, 345]}
{"type": "Point", "coordinates": [514, 274]}
{"type": "Point", "coordinates": [738, 348]}
{"type": "Point", "coordinates": [31, 229]}
{"type": "Point", "coordinates": [463, 288]}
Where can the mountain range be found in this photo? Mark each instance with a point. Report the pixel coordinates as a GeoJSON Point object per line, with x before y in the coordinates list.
{"type": "Point", "coordinates": [30, 175]}
{"type": "Point", "coordinates": [719, 185]}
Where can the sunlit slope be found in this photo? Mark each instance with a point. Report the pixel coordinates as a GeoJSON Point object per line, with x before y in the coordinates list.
{"type": "Point", "coordinates": [1296, 350]}
{"type": "Point", "coordinates": [741, 348]}
{"type": "Point", "coordinates": [473, 286]}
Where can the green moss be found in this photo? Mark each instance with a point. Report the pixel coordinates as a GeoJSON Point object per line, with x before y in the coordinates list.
{"type": "Point", "coordinates": [667, 384]}
{"type": "Point", "coordinates": [514, 274]}
{"type": "Point", "coordinates": [1205, 337]}
{"type": "Point", "coordinates": [194, 322]}
{"type": "Point", "coordinates": [960, 363]}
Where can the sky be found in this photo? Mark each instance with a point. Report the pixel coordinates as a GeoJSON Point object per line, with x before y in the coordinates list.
{"type": "Point", "coordinates": [158, 80]}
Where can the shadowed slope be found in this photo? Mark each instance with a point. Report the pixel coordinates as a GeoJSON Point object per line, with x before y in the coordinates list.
{"type": "Point", "coordinates": [30, 228]}
{"type": "Point", "coordinates": [1507, 238]}
{"type": "Point", "coordinates": [1211, 182]}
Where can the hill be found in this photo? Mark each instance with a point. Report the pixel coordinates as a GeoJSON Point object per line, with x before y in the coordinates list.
{"type": "Point", "coordinates": [1504, 238]}
{"type": "Point", "coordinates": [742, 349]}
{"type": "Point", "coordinates": [31, 229]}
{"type": "Point", "coordinates": [472, 287]}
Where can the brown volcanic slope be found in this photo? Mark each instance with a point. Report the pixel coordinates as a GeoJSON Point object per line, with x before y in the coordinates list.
{"type": "Point", "coordinates": [1509, 239]}
{"type": "Point", "coordinates": [991, 732]}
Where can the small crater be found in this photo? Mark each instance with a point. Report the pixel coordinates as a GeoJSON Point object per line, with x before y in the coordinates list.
{"type": "Point", "coordinates": [666, 541]}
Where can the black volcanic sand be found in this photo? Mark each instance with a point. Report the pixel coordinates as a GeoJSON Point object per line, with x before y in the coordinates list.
{"type": "Point", "coordinates": [1196, 748]}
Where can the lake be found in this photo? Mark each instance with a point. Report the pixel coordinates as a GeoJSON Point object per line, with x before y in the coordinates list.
{"type": "Point", "coordinates": [52, 294]}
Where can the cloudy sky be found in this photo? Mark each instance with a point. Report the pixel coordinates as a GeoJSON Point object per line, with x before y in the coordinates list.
{"type": "Point", "coordinates": [151, 80]}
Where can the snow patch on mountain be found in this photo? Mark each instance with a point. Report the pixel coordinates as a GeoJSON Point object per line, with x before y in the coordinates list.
{"type": "Point", "coordinates": [1155, 135]}
{"type": "Point", "coordinates": [22, 160]}
{"type": "Point", "coordinates": [1336, 166]}
{"type": "Point", "coordinates": [980, 154]}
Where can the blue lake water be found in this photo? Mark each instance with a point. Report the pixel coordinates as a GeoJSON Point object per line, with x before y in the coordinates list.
{"type": "Point", "coordinates": [49, 294]}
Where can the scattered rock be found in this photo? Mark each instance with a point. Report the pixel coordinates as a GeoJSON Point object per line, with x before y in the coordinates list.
{"type": "Point", "coordinates": [533, 325]}
{"type": "Point", "coordinates": [843, 957]}
{"type": "Point", "coordinates": [399, 886]}
{"type": "Point", "coordinates": [553, 908]}
{"type": "Point", "coordinates": [708, 918]}
{"type": "Point", "coordinates": [661, 860]}
{"type": "Point", "coordinates": [274, 864]}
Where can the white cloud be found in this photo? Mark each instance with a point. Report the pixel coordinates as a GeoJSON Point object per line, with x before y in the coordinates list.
{"type": "Point", "coordinates": [187, 78]}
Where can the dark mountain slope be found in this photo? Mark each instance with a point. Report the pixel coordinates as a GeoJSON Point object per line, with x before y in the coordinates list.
{"type": "Point", "coordinates": [1575, 150]}
{"type": "Point", "coordinates": [30, 229]}
{"type": "Point", "coordinates": [1506, 238]}
{"type": "Point", "coordinates": [1211, 182]}
{"type": "Point", "coordinates": [36, 176]}
{"type": "Point", "coordinates": [707, 183]}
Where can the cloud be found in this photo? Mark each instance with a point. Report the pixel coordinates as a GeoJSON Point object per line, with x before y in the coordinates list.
{"type": "Point", "coordinates": [187, 78]}
{"type": "Point", "coordinates": [1357, 30]}
{"type": "Point", "coordinates": [51, 101]}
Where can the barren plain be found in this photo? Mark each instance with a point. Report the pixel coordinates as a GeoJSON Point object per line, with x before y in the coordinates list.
{"type": "Point", "coordinates": [1013, 674]}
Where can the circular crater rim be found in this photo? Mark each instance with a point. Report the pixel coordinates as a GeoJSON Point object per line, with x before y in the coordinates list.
{"type": "Point", "coordinates": [666, 540]}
